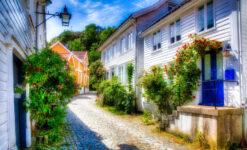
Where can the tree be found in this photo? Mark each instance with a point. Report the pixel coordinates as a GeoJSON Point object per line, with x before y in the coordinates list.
{"type": "Point", "coordinates": [90, 35]}
{"type": "Point", "coordinates": [106, 33]}
{"type": "Point", "coordinates": [76, 45]}
{"type": "Point", "coordinates": [67, 36]}
{"type": "Point", "coordinates": [97, 72]}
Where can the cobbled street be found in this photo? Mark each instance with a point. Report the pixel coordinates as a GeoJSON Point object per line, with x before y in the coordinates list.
{"type": "Point", "coordinates": [90, 127]}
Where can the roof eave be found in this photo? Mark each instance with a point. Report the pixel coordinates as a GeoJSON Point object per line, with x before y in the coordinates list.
{"type": "Point", "coordinates": [166, 19]}
{"type": "Point", "coordinates": [127, 23]}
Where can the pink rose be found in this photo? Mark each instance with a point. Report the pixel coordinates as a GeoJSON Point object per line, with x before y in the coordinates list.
{"type": "Point", "coordinates": [76, 84]}
{"type": "Point", "coordinates": [67, 79]}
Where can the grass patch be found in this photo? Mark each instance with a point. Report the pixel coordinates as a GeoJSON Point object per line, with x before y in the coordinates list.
{"type": "Point", "coordinates": [111, 109]}
{"type": "Point", "coordinates": [147, 118]}
{"type": "Point", "coordinates": [178, 138]}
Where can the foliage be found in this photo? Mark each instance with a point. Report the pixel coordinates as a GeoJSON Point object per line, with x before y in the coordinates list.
{"type": "Point", "coordinates": [146, 117]}
{"type": "Point", "coordinates": [67, 36]}
{"type": "Point", "coordinates": [156, 88]}
{"type": "Point", "coordinates": [183, 75]}
{"type": "Point", "coordinates": [90, 35]}
{"type": "Point", "coordinates": [115, 94]}
{"type": "Point", "coordinates": [19, 89]}
{"type": "Point", "coordinates": [184, 71]}
{"type": "Point", "coordinates": [97, 72]}
{"type": "Point", "coordinates": [93, 54]}
{"type": "Point", "coordinates": [76, 45]}
{"type": "Point", "coordinates": [51, 86]}
{"type": "Point", "coordinates": [130, 103]}
{"type": "Point", "coordinates": [106, 33]}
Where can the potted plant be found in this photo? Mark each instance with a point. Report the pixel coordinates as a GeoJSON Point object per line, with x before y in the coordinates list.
{"type": "Point", "coordinates": [19, 90]}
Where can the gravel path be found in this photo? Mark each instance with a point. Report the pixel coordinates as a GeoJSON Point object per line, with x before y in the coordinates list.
{"type": "Point", "coordinates": [93, 128]}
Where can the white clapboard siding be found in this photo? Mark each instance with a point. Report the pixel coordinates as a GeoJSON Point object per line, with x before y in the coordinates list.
{"type": "Point", "coordinates": [188, 25]}
{"type": "Point", "coordinates": [244, 45]}
{"type": "Point", "coordinates": [17, 34]}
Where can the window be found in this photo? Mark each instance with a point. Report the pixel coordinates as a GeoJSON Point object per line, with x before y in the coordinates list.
{"type": "Point", "coordinates": [130, 40]}
{"type": "Point", "coordinates": [112, 52]}
{"type": "Point", "coordinates": [157, 40]}
{"type": "Point", "coordinates": [120, 73]}
{"type": "Point", "coordinates": [175, 32]}
{"type": "Point", "coordinates": [122, 45]}
{"type": "Point", "coordinates": [206, 17]}
{"type": "Point", "coordinates": [103, 57]}
{"type": "Point", "coordinates": [115, 49]}
{"type": "Point", "coordinates": [112, 72]}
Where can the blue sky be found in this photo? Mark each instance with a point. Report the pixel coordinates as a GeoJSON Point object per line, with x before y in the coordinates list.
{"type": "Point", "coordinates": [101, 12]}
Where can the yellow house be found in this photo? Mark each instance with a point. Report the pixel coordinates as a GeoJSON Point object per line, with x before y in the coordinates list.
{"type": "Point", "coordinates": [78, 61]}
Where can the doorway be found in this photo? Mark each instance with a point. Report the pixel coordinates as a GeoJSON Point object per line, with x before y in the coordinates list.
{"type": "Point", "coordinates": [20, 113]}
{"type": "Point", "coordinates": [212, 79]}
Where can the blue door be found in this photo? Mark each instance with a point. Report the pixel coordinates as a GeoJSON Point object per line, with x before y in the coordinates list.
{"type": "Point", "coordinates": [20, 113]}
{"type": "Point", "coordinates": [212, 79]}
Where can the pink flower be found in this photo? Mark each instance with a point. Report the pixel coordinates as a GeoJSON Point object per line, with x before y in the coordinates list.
{"type": "Point", "coordinates": [67, 79]}
{"type": "Point", "coordinates": [76, 84]}
{"type": "Point", "coordinates": [60, 86]}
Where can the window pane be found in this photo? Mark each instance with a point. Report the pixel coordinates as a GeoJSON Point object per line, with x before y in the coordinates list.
{"type": "Point", "coordinates": [123, 45]}
{"type": "Point", "coordinates": [219, 66]}
{"type": "Point", "coordinates": [172, 33]}
{"type": "Point", "coordinates": [178, 31]}
{"type": "Point", "coordinates": [210, 15]}
{"type": "Point", "coordinates": [201, 19]}
{"type": "Point", "coordinates": [207, 67]}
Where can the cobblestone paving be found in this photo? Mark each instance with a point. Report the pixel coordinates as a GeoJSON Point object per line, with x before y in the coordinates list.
{"type": "Point", "coordinates": [93, 128]}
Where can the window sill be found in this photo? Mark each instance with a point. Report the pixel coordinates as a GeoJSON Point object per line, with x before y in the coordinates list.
{"type": "Point", "coordinates": [175, 44]}
{"type": "Point", "coordinates": [156, 51]}
{"type": "Point", "coordinates": [206, 31]}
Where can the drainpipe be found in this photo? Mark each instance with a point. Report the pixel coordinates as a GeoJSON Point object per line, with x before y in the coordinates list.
{"type": "Point", "coordinates": [36, 30]}
{"type": "Point", "coordinates": [241, 84]}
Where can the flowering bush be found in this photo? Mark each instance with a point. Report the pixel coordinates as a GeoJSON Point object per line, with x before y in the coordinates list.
{"type": "Point", "coordinates": [183, 73]}
{"type": "Point", "coordinates": [156, 88]}
{"type": "Point", "coordinates": [51, 86]}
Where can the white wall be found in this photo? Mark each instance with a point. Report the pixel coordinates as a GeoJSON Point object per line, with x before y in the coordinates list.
{"type": "Point", "coordinates": [222, 32]}
{"type": "Point", "coordinates": [17, 36]}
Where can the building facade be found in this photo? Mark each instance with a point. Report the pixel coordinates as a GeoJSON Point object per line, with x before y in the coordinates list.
{"type": "Point", "coordinates": [221, 20]}
{"type": "Point", "coordinates": [78, 61]}
{"type": "Point", "coordinates": [18, 36]}
{"type": "Point", "coordinates": [125, 46]}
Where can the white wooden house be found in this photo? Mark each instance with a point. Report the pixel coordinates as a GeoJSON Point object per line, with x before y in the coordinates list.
{"type": "Point", "coordinates": [18, 36]}
{"type": "Point", "coordinates": [125, 46]}
{"type": "Point", "coordinates": [223, 20]}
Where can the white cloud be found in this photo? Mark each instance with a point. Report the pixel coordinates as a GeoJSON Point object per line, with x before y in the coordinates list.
{"type": "Point", "coordinates": [144, 3]}
{"type": "Point", "coordinates": [74, 2]}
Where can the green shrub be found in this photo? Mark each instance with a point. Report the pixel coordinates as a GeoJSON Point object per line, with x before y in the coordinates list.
{"type": "Point", "coordinates": [156, 88]}
{"type": "Point", "coordinates": [115, 94]}
{"type": "Point", "coordinates": [51, 87]}
{"type": "Point", "coordinates": [97, 72]}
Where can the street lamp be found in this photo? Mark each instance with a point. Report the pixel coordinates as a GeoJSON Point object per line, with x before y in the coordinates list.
{"type": "Point", "coordinates": [65, 16]}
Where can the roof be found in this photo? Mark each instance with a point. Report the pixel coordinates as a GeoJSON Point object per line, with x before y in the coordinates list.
{"type": "Point", "coordinates": [70, 53]}
{"type": "Point", "coordinates": [168, 14]}
{"type": "Point", "coordinates": [64, 55]}
{"type": "Point", "coordinates": [80, 54]}
{"type": "Point", "coordinates": [131, 17]}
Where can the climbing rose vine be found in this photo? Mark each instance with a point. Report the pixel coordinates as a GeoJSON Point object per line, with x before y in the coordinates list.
{"type": "Point", "coordinates": [182, 73]}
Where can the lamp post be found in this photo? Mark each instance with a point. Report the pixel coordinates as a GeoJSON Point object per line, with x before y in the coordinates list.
{"type": "Point", "coordinates": [65, 16]}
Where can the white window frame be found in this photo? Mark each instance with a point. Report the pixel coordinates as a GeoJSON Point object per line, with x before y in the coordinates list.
{"type": "Point", "coordinates": [205, 17]}
{"type": "Point", "coordinates": [130, 40]}
{"type": "Point", "coordinates": [175, 31]}
{"type": "Point", "coordinates": [123, 44]}
{"type": "Point", "coordinates": [157, 42]}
